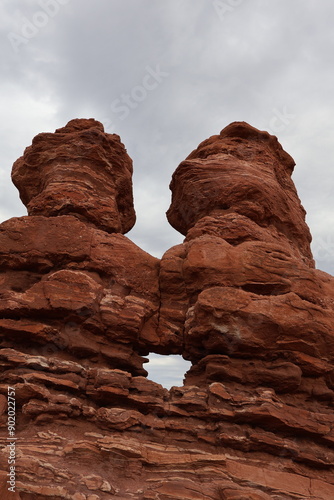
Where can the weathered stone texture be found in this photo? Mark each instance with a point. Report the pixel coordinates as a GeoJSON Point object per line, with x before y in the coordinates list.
{"type": "Point", "coordinates": [78, 171]}
{"type": "Point", "coordinates": [81, 305]}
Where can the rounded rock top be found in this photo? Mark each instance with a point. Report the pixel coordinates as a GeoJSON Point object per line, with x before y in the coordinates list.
{"type": "Point", "coordinates": [78, 170]}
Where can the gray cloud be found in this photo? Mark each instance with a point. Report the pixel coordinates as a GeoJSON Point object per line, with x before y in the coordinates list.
{"type": "Point", "coordinates": [167, 370]}
{"type": "Point", "coordinates": [256, 62]}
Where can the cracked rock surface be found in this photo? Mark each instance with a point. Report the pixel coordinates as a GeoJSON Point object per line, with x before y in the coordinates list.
{"type": "Point", "coordinates": [81, 306]}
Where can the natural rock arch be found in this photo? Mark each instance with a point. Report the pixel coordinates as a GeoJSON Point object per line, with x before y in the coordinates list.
{"type": "Point", "coordinates": [82, 306]}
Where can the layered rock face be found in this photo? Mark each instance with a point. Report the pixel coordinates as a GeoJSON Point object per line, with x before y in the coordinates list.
{"type": "Point", "coordinates": [240, 298]}
{"type": "Point", "coordinates": [78, 171]}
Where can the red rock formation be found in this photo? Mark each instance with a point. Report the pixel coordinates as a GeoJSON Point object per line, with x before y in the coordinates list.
{"type": "Point", "coordinates": [243, 172]}
{"type": "Point", "coordinates": [240, 298]}
{"type": "Point", "coordinates": [78, 171]}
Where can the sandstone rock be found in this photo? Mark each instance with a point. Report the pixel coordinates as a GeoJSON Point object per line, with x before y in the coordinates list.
{"type": "Point", "coordinates": [243, 494]}
{"type": "Point", "coordinates": [242, 171]}
{"type": "Point", "coordinates": [78, 170]}
{"type": "Point", "coordinates": [96, 301]}
{"type": "Point", "coordinates": [81, 305]}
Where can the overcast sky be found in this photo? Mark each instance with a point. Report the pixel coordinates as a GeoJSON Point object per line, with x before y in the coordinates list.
{"type": "Point", "coordinates": [165, 75]}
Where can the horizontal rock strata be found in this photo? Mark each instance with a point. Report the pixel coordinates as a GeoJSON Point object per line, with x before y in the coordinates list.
{"type": "Point", "coordinates": [78, 170]}
{"type": "Point", "coordinates": [81, 306]}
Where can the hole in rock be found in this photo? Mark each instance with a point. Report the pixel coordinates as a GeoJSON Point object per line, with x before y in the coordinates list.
{"type": "Point", "coordinates": [167, 370]}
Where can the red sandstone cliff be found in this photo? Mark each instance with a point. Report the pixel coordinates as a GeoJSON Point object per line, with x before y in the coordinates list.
{"type": "Point", "coordinates": [81, 305]}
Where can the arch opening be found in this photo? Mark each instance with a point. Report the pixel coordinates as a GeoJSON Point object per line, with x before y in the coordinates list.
{"type": "Point", "coordinates": [167, 370]}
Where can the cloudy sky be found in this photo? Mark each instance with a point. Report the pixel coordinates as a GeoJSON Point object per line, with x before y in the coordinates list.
{"type": "Point", "coordinates": [165, 75]}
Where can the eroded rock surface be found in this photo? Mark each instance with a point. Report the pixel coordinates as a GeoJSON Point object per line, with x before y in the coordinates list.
{"type": "Point", "coordinates": [81, 305]}
{"type": "Point", "coordinates": [81, 171]}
